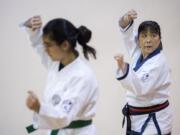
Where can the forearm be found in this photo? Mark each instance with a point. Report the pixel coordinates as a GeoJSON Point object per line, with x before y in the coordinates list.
{"type": "Point", "coordinates": [122, 23]}
{"type": "Point", "coordinates": [50, 118]}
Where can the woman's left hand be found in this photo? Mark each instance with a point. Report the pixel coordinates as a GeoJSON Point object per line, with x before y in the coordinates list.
{"type": "Point", "coordinates": [120, 61]}
{"type": "Point", "coordinates": [32, 102]}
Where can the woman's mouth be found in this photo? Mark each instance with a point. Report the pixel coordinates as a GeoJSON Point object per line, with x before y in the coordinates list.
{"type": "Point", "coordinates": [148, 47]}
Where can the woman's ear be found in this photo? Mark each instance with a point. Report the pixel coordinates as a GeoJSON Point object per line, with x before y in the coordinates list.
{"type": "Point", "coordinates": [65, 46]}
{"type": "Point", "coordinates": [137, 41]}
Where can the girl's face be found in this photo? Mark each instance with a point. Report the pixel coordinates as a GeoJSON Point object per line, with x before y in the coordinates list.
{"type": "Point", "coordinates": [55, 51]}
{"type": "Point", "coordinates": [148, 42]}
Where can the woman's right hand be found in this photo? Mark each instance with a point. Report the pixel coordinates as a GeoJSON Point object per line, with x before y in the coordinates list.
{"type": "Point", "coordinates": [34, 23]}
{"type": "Point", "coordinates": [127, 18]}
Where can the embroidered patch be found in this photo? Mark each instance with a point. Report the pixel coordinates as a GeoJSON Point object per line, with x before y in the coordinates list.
{"type": "Point", "coordinates": [145, 77]}
{"type": "Point", "coordinates": [56, 99]}
{"type": "Point", "coordinates": [67, 105]}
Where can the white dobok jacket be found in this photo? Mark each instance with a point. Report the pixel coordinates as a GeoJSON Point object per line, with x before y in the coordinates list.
{"type": "Point", "coordinates": [70, 94]}
{"type": "Point", "coordinates": [147, 84]}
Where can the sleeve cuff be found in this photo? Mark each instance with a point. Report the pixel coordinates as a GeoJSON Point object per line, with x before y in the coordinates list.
{"type": "Point", "coordinates": [37, 117]}
{"type": "Point", "coordinates": [35, 121]}
{"type": "Point", "coordinates": [34, 36]}
{"type": "Point", "coordinates": [120, 75]}
{"type": "Point", "coordinates": [28, 30]}
{"type": "Point", "coordinates": [127, 27]}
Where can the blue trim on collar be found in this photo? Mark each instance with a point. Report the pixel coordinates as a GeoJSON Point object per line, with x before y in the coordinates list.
{"type": "Point", "coordinates": [141, 61]}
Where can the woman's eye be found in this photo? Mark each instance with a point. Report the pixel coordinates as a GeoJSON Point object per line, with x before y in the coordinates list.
{"type": "Point", "coordinates": [47, 45]}
{"type": "Point", "coordinates": [154, 35]}
{"type": "Point", "coordinates": [144, 35]}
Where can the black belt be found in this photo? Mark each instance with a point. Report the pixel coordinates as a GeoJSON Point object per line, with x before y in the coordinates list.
{"type": "Point", "coordinates": [74, 124]}
{"type": "Point", "coordinates": [131, 110]}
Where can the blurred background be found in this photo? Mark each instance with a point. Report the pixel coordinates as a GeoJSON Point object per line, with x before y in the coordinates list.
{"type": "Point", "coordinates": [21, 70]}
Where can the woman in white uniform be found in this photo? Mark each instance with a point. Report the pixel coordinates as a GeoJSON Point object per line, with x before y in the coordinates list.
{"type": "Point", "coordinates": [69, 101]}
{"type": "Point", "coordinates": [146, 79]}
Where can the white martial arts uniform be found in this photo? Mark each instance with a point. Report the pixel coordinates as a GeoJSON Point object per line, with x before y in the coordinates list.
{"type": "Point", "coordinates": [147, 84]}
{"type": "Point", "coordinates": [70, 94]}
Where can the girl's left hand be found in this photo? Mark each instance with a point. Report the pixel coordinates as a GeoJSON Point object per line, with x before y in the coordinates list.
{"type": "Point", "coordinates": [32, 102]}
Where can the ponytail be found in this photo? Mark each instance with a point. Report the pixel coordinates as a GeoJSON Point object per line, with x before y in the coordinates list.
{"type": "Point", "coordinates": [83, 38]}
{"type": "Point", "coordinates": [60, 30]}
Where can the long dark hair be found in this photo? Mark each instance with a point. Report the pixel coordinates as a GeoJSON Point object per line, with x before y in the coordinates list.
{"type": "Point", "coordinates": [60, 30]}
{"type": "Point", "coordinates": [152, 26]}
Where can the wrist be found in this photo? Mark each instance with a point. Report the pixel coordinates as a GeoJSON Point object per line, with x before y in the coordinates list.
{"type": "Point", "coordinates": [124, 67]}
{"type": "Point", "coordinates": [37, 109]}
{"type": "Point", "coordinates": [124, 21]}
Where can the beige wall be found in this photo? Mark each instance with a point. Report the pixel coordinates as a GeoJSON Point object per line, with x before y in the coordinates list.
{"type": "Point", "coordinates": [20, 68]}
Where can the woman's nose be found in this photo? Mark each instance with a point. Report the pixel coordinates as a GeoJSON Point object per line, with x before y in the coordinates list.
{"type": "Point", "coordinates": [148, 39]}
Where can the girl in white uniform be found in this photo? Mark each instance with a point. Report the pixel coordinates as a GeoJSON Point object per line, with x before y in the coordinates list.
{"type": "Point", "coordinates": [146, 79]}
{"type": "Point", "coordinates": [71, 92]}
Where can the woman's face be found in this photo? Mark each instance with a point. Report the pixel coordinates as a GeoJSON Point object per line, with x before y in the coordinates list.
{"type": "Point", "coordinates": [148, 42]}
{"type": "Point", "coordinates": [55, 51]}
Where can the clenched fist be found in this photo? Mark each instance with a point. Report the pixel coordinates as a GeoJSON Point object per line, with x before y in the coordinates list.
{"type": "Point", "coordinates": [32, 102]}
{"type": "Point", "coordinates": [34, 23]}
{"type": "Point", "coordinates": [127, 18]}
{"type": "Point", "coordinates": [120, 62]}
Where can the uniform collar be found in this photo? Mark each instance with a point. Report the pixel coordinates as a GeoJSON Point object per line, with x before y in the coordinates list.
{"type": "Point", "coordinates": [141, 61]}
{"type": "Point", "coordinates": [62, 67]}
